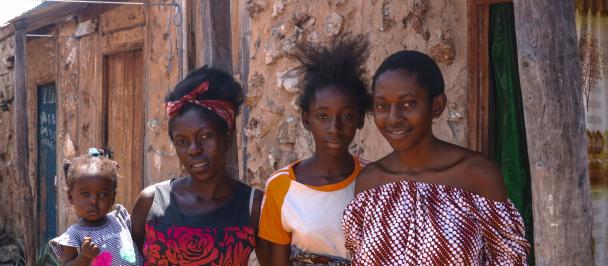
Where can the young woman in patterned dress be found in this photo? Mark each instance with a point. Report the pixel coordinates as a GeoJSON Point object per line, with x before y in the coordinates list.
{"type": "Point", "coordinates": [428, 202]}
{"type": "Point", "coordinates": [205, 217]}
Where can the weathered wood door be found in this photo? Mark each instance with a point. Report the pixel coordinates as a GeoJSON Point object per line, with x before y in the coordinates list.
{"type": "Point", "coordinates": [46, 165]}
{"type": "Point", "coordinates": [124, 120]}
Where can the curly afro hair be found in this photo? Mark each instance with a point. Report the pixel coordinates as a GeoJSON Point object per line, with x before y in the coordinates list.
{"type": "Point", "coordinates": [341, 63]}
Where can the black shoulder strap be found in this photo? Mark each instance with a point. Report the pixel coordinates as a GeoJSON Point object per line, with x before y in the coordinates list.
{"type": "Point", "coordinates": [255, 208]}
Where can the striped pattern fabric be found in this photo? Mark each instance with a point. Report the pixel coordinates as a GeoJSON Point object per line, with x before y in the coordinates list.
{"type": "Point", "coordinates": [414, 223]}
{"type": "Point", "coordinates": [114, 240]}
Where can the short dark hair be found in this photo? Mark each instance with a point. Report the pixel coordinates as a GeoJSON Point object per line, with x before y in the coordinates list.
{"type": "Point", "coordinates": [79, 166]}
{"type": "Point", "coordinates": [341, 63]}
{"type": "Point", "coordinates": [427, 72]}
{"type": "Point", "coordinates": [222, 86]}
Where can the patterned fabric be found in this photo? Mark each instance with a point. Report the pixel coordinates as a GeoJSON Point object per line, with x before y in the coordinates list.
{"type": "Point", "coordinates": [113, 239]}
{"type": "Point", "coordinates": [303, 258]}
{"type": "Point", "coordinates": [414, 223]}
{"type": "Point", "coordinates": [199, 246]}
{"type": "Point", "coordinates": [307, 217]}
{"type": "Point", "coordinates": [223, 236]}
{"type": "Point", "coordinates": [223, 109]}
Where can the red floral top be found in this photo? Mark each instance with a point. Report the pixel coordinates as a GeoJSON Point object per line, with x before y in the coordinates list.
{"type": "Point", "coordinates": [221, 237]}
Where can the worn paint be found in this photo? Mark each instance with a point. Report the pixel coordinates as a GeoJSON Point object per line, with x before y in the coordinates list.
{"type": "Point", "coordinates": [40, 70]}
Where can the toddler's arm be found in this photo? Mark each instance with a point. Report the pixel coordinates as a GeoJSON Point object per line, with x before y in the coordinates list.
{"type": "Point", "coordinates": [88, 251]}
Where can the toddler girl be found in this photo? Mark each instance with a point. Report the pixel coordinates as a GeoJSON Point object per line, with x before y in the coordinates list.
{"type": "Point", "coordinates": [100, 237]}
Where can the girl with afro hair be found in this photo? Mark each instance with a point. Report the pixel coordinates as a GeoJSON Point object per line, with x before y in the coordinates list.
{"type": "Point", "coordinates": [304, 201]}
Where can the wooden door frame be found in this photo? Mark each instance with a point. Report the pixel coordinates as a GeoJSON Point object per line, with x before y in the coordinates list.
{"type": "Point", "coordinates": [478, 64]}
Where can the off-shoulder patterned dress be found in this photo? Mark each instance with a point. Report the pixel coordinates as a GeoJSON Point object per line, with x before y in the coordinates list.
{"type": "Point", "coordinates": [415, 223]}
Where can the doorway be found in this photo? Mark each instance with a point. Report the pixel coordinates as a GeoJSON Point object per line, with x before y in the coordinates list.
{"type": "Point", "coordinates": [46, 165]}
{"type": "Point", "coordinates": [495, 109]}
{"type": "Point", "coordinates": [124, 120]}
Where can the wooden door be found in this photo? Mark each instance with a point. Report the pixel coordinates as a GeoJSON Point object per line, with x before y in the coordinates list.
{"type": "Point", "coordinates": [124, 120]}
{"type": "Point", "coordinates": [46, 163]}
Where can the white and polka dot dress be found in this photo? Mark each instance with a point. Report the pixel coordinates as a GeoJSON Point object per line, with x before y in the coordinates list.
{"type": "Point", "coordinates": [414, 223]}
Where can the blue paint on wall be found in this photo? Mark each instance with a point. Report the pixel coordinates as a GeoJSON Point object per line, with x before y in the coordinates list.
{"type": "Point", "coordinates": [47, 163]}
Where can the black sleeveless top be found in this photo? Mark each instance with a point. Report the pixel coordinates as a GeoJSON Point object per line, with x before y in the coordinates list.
{"type": "Point", "coordinates": [223, 236]}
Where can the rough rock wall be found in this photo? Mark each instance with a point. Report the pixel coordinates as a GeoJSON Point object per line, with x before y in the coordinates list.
{"type": "Point", "coordinates": [275, 134]}
{"type": "Point", "coordinates": [8, 189]}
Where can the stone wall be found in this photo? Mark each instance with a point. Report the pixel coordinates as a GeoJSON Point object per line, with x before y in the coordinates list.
{"type": "Point", "coordinates": [275, 135]}
{"type": "Point", "coordinates": [9, 191]}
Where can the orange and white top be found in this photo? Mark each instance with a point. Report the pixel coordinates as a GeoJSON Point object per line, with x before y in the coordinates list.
{"type": "Point", "coordinates": [307, 217]}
